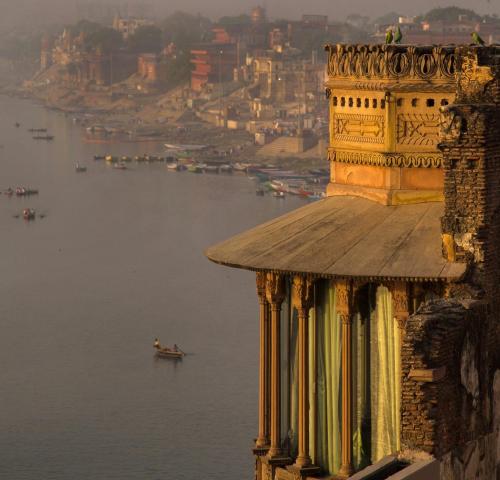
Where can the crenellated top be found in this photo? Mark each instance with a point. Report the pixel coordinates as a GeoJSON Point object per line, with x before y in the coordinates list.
{"type": "Point", "coordinates": [392, 62]}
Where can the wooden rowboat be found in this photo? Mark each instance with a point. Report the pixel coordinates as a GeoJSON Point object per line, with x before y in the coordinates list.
{"type": "Point", "coordinates": [169, 353]}
{"type": "Point", "coordinates": [166, 352]}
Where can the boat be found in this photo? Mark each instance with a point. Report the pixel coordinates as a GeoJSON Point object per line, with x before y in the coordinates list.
{"type": "Point", "coordinates": [24, 192]}
{"type": "Point", "coordinates": [241, 167]}
{"type": "Point", "coordinates": [226, 168]}
{"type": "Point", "coordinates": [181, 167]}
{"type": "Point", "coordinates": [43, 137]}
{"type": "Point", "coordinates": [212, 169]}
{"type": "Point", "coordinates": [29, 214]}
{"type": "Point", "coordinates": [110, 159]}
{"type": "Point", "coordinates": [120, 166]}
{"type": "Point", "coordinates": [9, 192]}
{"type": "Point", "coordinates": [99, 157]}
{"type": "Point", "coordinates": [37, 130]}
{"type": "Point", "coordinates": [17, 124]}
{"type": "Point", "coordinates": [80, 168]}
{"type": "Point", "coordinates": [169, 353]}
{"type": "Point", "coordinates": [172, 165]}
{"type": "Point", "coordinates": [196, 168]}
{"type": "Point", "coordinates": [278, 194]}
{"type": "Point", "coordinates": [166, 352]}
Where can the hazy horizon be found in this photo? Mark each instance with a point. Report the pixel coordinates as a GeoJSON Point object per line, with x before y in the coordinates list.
{"type": "Point", "coordinates": [31, 12]}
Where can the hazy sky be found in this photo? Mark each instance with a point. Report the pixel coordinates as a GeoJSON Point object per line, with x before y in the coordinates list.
{"type": "Point", "coordinates": [51, 11]}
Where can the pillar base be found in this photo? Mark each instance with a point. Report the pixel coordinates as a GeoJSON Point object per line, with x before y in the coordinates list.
{"type": "Point", "coordinates": [300, 473]}
{"type": "Point", "coordinates": [344, 472]}
{"type": "Point", "coordinates": [271, 464]}
{"type": "Point", "coordinates": [260, 451]}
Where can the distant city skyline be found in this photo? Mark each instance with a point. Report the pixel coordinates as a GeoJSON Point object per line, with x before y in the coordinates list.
{"type": "Point", "coordinates": [25, 12]}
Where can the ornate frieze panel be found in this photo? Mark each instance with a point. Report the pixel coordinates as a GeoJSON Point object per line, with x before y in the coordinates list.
{"type": "Point", "coordinates": [418, 129]}
{"type": "Point", "coordinates": [416, 160]}
{"type": "Point", "coordinates": [359, 128]}
{"type": "Point", "coordinates": [392, 62]}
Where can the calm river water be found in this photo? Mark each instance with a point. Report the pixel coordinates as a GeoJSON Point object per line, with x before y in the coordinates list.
{"type": "Point", "coordinates": [118, 260]}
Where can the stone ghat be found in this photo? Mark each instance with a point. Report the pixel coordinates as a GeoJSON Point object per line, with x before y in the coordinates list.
{"type": "Point", "coordinates": [400, 62]}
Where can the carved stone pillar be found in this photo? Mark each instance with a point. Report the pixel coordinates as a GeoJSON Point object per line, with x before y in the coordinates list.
{"type": "Point", "coordinates": [400, 306]}
{"type": "Point", "coordinates": [263, 437]}
{"type": "Point", "coordinates": [275, 294]}
{"type": "Point", "coordinates": [344, 299]}
{"type": "Point", "coordinates": [303, 300]}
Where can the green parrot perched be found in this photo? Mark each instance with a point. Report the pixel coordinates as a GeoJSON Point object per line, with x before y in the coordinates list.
{"type": "Point", "coordinates": [476, 38]}
{"type": "Point", "coordinates": [398, 36]}
{"type": "Point", "coordinates": [388, 37]}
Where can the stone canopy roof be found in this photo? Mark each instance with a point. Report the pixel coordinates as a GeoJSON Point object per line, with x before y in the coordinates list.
{"type": "Point", "coordinates": [346, 237]}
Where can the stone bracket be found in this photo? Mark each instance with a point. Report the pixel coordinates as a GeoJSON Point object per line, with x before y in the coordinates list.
{"type": "Point", "coordinates": [430, 375]}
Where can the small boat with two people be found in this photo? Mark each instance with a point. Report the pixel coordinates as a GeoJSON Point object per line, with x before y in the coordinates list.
{"type": "Point", "coordinates": [120, 166]}
{"type": "Point", "coordinates": [29, 214]}
{"type": "Point", "coordinates": [167, 352]}
{"type": "Point", "coordinates": [80, 168]}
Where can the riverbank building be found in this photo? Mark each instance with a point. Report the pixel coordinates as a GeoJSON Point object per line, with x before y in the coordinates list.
{"type": "Point", "coordinates": [379, 304]}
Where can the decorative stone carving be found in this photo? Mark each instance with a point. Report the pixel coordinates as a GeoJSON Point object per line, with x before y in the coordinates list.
{"type": "Point", "coordinates": [343, 295]}
{"type": "Point", "coordinates": [261, 285]}
{"type": "Point", "coordinates": [302, 292]}
{"type": "Point", "coordinates": [359, 128]}
{"type": "Point", "coordinates": [387, 159]}
{"type": "Point", "coordinates": [391, 62]}
{"type": "Point", "coordinates": [275, 288]}
{"type": "Point", "coordinates": [400, 303]}
{"type": "Point", "coordinates": [418, 129]}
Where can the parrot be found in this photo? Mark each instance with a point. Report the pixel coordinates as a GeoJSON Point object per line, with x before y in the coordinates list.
{"type": "Point", "coordinates": [476, 38]}
{"type": "Point", "coordinates": [388, 37]}
{"type": "Point", "coordinates": [398, 36]}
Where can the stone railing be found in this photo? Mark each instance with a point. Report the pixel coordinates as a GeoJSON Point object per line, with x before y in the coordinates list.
{"type": "Point", "coordinates": [391, 62]}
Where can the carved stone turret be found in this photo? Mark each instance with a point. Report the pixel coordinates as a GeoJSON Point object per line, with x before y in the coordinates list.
{"type": "Point", "coordinates": [385, 120]}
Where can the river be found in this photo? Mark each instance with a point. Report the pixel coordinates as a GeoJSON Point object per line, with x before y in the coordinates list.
{"type": "Point", "coordinates": [116, 261]}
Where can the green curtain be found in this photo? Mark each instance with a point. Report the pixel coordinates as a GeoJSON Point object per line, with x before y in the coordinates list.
{"type": "Point", "coordinates": [376, 377]}
{"type": "Point", "coordinates": [294, 384]}
{"type": "Point", "coordinates": [360, 390]}
{"type": "Point", "coordinates": [328, 380]}
{"type": "Point", "coordinates": [386, 378]}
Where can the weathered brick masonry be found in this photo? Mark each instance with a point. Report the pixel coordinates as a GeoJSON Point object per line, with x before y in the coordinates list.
{"type": "Point", "coordinates": [454, 415]}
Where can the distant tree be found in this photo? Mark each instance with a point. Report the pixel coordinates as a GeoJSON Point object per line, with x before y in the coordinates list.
{"type": "Point", "coordinates": [147, 39]}
{"type": "Point", "coordinates": [185, 30]}
{"type": "Point", "coordinates": [107, 39]}
{"type": "Point", "coordinates": [243, 19]}
{"type": "Point", "coordinates": [450, 14]}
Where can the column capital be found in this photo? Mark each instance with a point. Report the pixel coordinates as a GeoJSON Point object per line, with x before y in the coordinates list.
{"type": "Point", "coordinates": [400, 302]}
{"type": "Point", "coordinates": [343, 295]}
{"type": "Point", "coordinates": [302, 292]}
{"type": "Point", "coordinates": [275, 288]}
{"type": "Point", "coordinates": [260, 280]}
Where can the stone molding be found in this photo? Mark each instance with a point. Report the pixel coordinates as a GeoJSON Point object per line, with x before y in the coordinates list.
{"type": "Point", "coordinates": [406, 160]}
